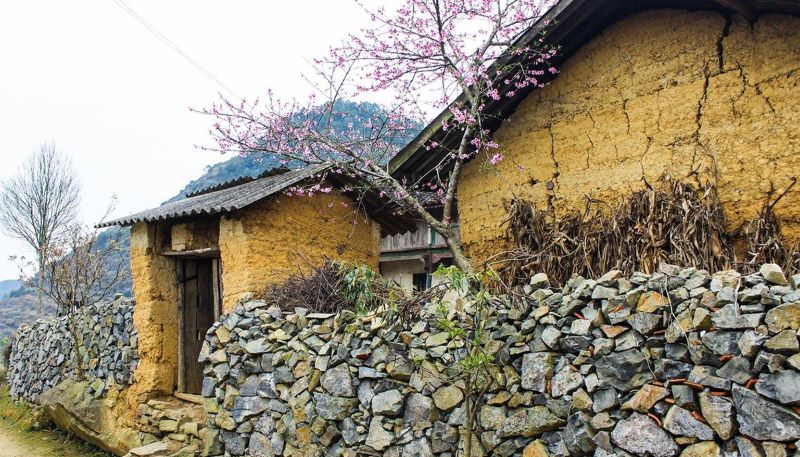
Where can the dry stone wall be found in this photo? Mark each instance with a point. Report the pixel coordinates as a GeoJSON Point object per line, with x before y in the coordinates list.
{"type": "Point", "coordinates": [679, 362]}
{"type": "Point", "coordinates": [42, 354]}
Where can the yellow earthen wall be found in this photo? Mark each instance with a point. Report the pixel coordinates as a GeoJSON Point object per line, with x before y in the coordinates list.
{"type": "Point", "coordinates": [660, 91]}
{"type": "Point", "coordinates": [190, 236]}
{"type": "Point", "coordinates": [273, 239]}
{"type": "Point", "coordinates": [156, 312]}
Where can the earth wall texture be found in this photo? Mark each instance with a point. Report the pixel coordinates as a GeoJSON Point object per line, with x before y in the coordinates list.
{"type": "Point", "coordinates": [270, 241]}
{"type": "Point", "coordinates": [678, 362]}
{"type": "Point", "coordinates": [696, 95]}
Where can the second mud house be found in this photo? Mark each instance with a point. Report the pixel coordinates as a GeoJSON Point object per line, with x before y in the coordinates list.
{"type": "Point", "coordinates": [194, 258]}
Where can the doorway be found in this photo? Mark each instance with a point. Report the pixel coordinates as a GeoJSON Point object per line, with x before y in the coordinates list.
{"type": "Point", "coordinates": [198, 309]}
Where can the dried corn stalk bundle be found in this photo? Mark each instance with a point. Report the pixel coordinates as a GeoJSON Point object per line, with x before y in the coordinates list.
{"type": "Point", "coordinates": [763, 242]}
{"type": "Point", "coordinates": [674, 223]}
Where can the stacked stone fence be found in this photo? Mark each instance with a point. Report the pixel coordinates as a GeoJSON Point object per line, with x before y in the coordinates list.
{"type": "Point", "coordinates": [679, 362]}
{"type": "Point", "coordinates": [42, 354]}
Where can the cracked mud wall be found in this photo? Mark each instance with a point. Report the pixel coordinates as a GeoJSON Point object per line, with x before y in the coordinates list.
{"type": "Point", "coordinates": [273, 239]}
{"type": "Point", "coordinates": [663, 91]}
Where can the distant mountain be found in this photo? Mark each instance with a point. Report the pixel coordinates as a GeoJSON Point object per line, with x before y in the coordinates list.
{"type": "Point", "coordinates": [8, 285]}
{"type": "Point", "coordinates": [18, 305]}
{"type": "Point", "coordinates": [233, 168]}
{"type": "Point", "coordinates": [347, 112]}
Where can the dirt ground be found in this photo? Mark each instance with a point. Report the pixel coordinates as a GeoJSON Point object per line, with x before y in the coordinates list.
{"type": "Point", "coordinates": [14, 443]}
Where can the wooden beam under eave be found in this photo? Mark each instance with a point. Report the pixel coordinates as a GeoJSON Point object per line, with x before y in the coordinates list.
{"type": "Point", "coordinates": [740, 7]}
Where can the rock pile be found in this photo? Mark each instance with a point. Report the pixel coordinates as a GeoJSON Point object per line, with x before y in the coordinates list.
{"type": "Point", "coordinates": [42, 355]}
{"type": "Point", "coordinates": [679, 362]}
{"type": "Point", "coordinates": [171, 420]}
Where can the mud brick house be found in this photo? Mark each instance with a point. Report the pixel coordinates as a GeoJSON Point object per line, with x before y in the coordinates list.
{"type": "Point", "coordinates": [695, 89]}
{"type": "Point", "coordinates": [192, 259]}
{"type": "Point", "coordinates": [699, 89]}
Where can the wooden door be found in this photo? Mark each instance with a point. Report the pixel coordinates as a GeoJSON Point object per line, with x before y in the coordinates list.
{"type": "Point", "coordinates": [197, 312]}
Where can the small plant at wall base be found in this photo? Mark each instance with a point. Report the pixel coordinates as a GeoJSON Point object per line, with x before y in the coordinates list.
{"type": "Point", "coordinates": [476, 369]}
{"type": "Point", "coordinates": [335, 286]}
{"type": "Point", "coordinates": [426, 55]}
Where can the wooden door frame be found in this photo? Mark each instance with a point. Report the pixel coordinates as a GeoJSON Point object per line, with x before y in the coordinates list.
{"type": "Point", "coordinates": [216, 287]}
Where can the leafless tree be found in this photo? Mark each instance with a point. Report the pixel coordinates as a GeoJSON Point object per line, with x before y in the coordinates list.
{"type": "Point", "coordinates": [82, 269]}
{"type": "Point", "coordinates": [40, 202]}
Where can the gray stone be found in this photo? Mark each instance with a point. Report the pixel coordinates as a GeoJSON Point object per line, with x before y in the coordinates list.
{"type": "Point", "coordinates": [706, 376]}
{"type": "Point", "coordinates": [773, 273]}
{"type": "Point", "coordinates": [744, 321]}
{"type": "Point", "coordinates": [550, 336]}
{"type": "Point", "coordinates": [446, 398]}
{"type": "Point", "coordinates": [258, 346]}
{"type": "Point", "coordinates": [378, 438]}
{"type": "Point", "coordinates": [628, 340]}
{"type": "Point", "coordinates": [603, 293]}
{"type": "Point", "coordinates": [761, 419]}
{"type": "Point", "coordinates": [579, 435]}
{"type": "Point", "coordinates": [736, 369]}
{"type": "Point", "coordinates": [417, 448]}
{"type": "Point", "coordinates": [334, 408]}
{"type": "Point", "coordinates": [349, 431]}
{"type": "Point", "coordinates": [718, 411]}
{"type": "Point", "coordinates": [783, 386]}
{"type": "Point", "coordinates": [247, 407]}
{"type": "Point", "coordinates": [783, 317]}
{"type": "Point", "coordinates": [640, 435]}
{"type": "Point", "coordinates": [492, 417]}
{"type": "Point", "coordinates": [722, 342]}
{"type": "Point", "coordinates": [260, 446]}
{"type": "Point", "coordinates": [564, 382]}
{"type": "Point", "coordinates": [624, 370]}
{"type": "Point", "coordinates": [784, 342]}
{"type": "Point", "coordinates": [537, 368]}
{"type": "Point", "coordinates": [679, 421]}
{"type": "Point", "coordinates": [418, 408]}
{"type": "Point", "coordinates": [750, 343]}
{"type": "Point", "coordinates": [443, 437]}
{"type": "Point", "coordinates": [727, 278]}
{"type": "Point", "coordinates": [389, 403]}
{"type": "Point", "coordinates": [644, 323]}
{"type": "Point", "coordinates": [683, 396]}
{"type": "Point", "coordinates": [539, 281]}
{"type": "Point", "coordinates": [531, 422]}
{"type": "Point", "coordinates": [768, 361]}
{"type": "Point", "coordinates": [337, 381]}
{"type": "Point", "coordinates": [604, 399]}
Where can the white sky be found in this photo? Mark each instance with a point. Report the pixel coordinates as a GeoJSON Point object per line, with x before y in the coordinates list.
{"type": "Point", "coordinates": [90, 78]}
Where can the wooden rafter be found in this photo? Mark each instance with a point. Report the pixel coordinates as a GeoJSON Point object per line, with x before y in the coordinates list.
{"type": "Point", "coordinates": [739, 7]}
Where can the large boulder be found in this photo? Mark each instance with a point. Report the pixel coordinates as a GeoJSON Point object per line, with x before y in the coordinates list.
{"type": "Point", "coordinates": [74, 410]}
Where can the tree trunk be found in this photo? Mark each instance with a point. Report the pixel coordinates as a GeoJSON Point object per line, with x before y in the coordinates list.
{"type": "Point", "coordinates": [73, 329]}
{"type": "Point", "coordinates": [40, 297]}
{"type": "Point", "coordinates": [470, 419]}
{"type": "Point", "coordinates": [459, 258]}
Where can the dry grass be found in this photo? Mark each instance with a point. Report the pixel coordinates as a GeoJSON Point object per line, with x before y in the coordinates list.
{"type": "Point", "coordinates": [333, 287]}
{"type": "Point", "coordinates": [762, 238]}
{"type": "Point", "coordinates": [32, 428]}
{"type": "Point", "coordinates": [673, 222]}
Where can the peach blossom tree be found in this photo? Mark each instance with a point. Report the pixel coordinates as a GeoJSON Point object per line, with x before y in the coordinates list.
{"type": "Point", "coordinates": [426, 56]}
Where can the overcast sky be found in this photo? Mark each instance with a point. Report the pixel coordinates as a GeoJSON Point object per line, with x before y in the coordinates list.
{"type": "Point", "coordinates": [90, 78]}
